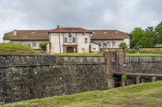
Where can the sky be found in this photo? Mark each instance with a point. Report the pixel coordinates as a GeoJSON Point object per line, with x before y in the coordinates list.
{"type": "Point", "coordinates": [122, 15]}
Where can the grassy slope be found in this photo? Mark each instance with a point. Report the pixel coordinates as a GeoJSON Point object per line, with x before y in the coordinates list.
{"type": "Point", "coordinates": [142, 54]}
{"type": "Point", "coordinates": [16, 49]}
{"type": "Point", "coordinates": [145, 95]}
{"type": "Point", "coordinates": [13, 48]}
{"type": "Point", "coordinates": [87, 54]}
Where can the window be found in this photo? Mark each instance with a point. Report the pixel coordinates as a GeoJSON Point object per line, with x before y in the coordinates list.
{"type": "Point", "coordinates": [73, 39]}
{"type": "Point", "coordinates": [105, 45]}
{"type": "Point", "coordinates": [70, 38]}
{"type": "Point", "coordinates": [65, 40]}
{"type": "Point", "coordinates": [94, 48]}
{"type": "Point", "coordinates": [108, 44]}
{"type": "Point", "coordinates": [34, 44]}
{"type": "Point", "coordinates": [86, 40]}
{"type": "Point", "coordinates": [113, 43]}
{"type": "Point", "coordinates": [99, 43]}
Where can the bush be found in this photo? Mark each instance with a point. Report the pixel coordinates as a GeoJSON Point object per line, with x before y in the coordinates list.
{"type": "Point", "coordinates": [131, 51]}
{"type": "Point", "coordinates": [43, 46]}
{"type": "Point", "coordinates": [102, 50]}
{"type": "Point", "coordinates": [123, 46]}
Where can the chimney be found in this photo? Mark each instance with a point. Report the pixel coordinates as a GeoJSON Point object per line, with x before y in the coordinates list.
{"type": "Point", "coordinates": [15, 32]}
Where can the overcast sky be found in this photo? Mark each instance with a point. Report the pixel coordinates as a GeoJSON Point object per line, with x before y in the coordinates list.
{"type": "Point", "coordinates": [122, 15]}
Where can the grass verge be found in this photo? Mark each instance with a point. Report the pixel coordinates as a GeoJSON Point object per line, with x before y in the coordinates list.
{"type": "Point", "coordinates": [16, 49]}
{"type": "Point", "coordinates": [75, 54]}
{"type": "Point", "coordinates": [145, 95]}
{"type": "Point", "coordinates": [142, 54]}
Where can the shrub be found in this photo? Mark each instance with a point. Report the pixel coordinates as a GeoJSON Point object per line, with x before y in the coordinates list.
{"type": "Point", "coordinates": [43, 46]}
{"type": "Point", "coordinates": [123, 46]}
{"type": "Point", "coordinates": [131, 51]}
{"type": "Point", "coordinates": [102, 50]}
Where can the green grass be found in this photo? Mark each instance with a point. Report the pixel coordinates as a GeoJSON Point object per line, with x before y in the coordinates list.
{"type": "Point", "coordinates": [15, 49]}
{"type": "Point", "coordinates": [96, 54]}
{"type": "Point", "coordinates": [75, 54]}
{"type": "Point", "coordinates": [151, 49]}
{"type": "Point", "coordinates": [145, 95]}
{"type": "Point", "coordinates": [142, 54]}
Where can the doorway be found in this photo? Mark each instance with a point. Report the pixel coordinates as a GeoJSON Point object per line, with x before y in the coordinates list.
{"type": "Point", "coordinates": [70, 50]}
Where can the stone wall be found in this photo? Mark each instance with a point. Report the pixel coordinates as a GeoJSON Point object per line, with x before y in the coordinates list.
{"type": "Point", "coordinates": [25, 77]}
{"type": "Point", "coordinates": [144, 64]}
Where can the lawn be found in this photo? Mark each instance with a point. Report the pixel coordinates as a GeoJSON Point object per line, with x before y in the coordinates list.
{"type": "Point", "coordinates": [151, 49]}
{"type": "Point", "coordinates": [143, 50]}
{"type": "Point", "coordinates": [75, 54]}
{"type": "Point", "coordinates": [97, 54]}
{"type": "Point", "coordinates": [142, 54]}
{"type": "Point", "coordinates": [145, 95]}
{"type": "Point", "coordinates": [15, 49]}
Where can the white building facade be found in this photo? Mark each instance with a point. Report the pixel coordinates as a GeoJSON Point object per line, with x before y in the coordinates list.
{"type": "Point", "coordinates": [70, 40]}
{"type": "Point", "coordinates": [110, 38]}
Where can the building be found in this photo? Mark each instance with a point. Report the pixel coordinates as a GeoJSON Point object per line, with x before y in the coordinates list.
{"type": "Point", "coordinates": [69, 40]}
{"type": "Point", "coordinates": [110, 38]}
{"type": "Point", "coordinates": [32, 38]}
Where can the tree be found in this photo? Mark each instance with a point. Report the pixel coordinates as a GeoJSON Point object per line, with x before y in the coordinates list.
{"type": "Point", "coordinates": [43, 46]}
{"type": "Point", "coordinates": [143, 38]}
{"type": "Point", "coordinates": [136, 37]}
{"type": "Point", "coordinates": [158, 30]}
{"type": "Point", "coordinates": [138, 48]}
{"type": "Point", "coordinates": [132, 44]}
{"type": "Point", "coordinates": [149, 38]}
{"type": "Point", "coordinates": [123, 46]}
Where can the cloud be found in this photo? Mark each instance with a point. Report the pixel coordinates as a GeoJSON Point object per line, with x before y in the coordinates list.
{"type": "Point", "coordinates": [123, 15]}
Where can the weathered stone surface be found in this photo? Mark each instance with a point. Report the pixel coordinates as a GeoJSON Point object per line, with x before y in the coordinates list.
{"type": "Point", "coordinates": [26, 77]}
{"type": "Point", "coordinates": [144, 64]}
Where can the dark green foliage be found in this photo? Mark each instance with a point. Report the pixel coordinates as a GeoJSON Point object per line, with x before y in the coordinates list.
{"type": "Point", "coordinates": [43, 46]}
{"type": "Point", "coordinates": [146, 38]}
{"type": "Point", "coordinates": [158, 30]}
{"type": "Point", "coordinates": [123, 46]}
{"type": "Point", "coordinates": [131, 51]}
{"type": "Point", "coordinates": [124, 78]}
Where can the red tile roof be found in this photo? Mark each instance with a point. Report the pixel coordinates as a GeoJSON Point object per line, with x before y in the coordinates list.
{"type": "Point", "coordinates": [68, 29]}
{"type": "Point", "coordinates": [108, 34]}
{"type": "Point", "coordinates": [42, 35]}
{"type": "Point", "coordinates": [37, 35]}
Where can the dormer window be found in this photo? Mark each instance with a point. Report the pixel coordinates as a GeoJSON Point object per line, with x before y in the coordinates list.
{"type": "Point", "coordinates": [70, 32]}
{"type": "Point", "coordinates": [83, 33]}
